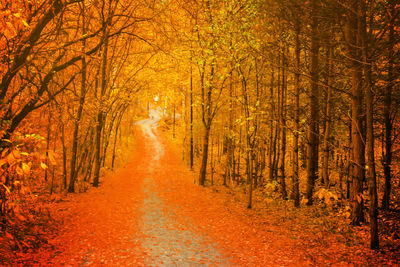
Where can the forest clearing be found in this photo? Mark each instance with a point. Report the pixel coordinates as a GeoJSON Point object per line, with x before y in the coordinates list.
{"type": "Point", "coordinates": [191, 133]}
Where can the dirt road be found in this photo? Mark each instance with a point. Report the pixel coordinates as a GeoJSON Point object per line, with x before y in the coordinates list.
{"type": "Point", "coordinates": [165, 240]}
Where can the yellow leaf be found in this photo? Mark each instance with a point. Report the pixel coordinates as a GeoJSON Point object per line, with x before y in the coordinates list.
{"type": "Point", "coordinates": [44, 166]}
{"type": "Point", "coordinates": [25, 23]}
{"type": "Point", "coordinates": [6, 188]}
{"type": "Point", "coordinates": [26, 168]}
{"type": "Point", "coordinates": [19, 171]}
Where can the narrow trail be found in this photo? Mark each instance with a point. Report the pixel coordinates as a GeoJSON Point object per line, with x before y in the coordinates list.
{"type": "Point", "coordinates": [149, 213]}
{"type": "Point", "coordinates": [166, 241]}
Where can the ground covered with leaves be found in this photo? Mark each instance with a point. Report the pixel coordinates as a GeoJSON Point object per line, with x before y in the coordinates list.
{"type": "Point", "coordinates": [150, 212]}
{"type": "Point", "coordinates": [272, 233]}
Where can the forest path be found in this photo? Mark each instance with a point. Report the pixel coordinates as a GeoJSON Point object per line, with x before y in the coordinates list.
{"type": "Point", "coordinates": [127, 221]}
{"type": "Point", "coordinates": [149, 213]}
{"type": "Point", "coordinates": [165, 241]}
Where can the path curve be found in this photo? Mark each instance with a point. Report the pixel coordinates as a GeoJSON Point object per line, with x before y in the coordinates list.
{"type": "Point", "coordinates": [166, 241]}
{"type": "Point", "coordinates": [149, 213]}
{"type": "Point", "coordinates": [126, 221]}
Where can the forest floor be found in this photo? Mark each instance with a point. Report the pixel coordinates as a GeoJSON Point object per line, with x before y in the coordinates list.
{"type": "Point", "coordinates": [149, 213]}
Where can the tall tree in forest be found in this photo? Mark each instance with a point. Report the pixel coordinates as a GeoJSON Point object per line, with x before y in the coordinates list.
{"type": "Point", "coordinates": [282, 123]}
{"type": "Point", "coordinates": [296, 132]}
{"type": "Point", "coordinates": [191, 116]}
{"type": "Point", "coordinates": [207, 87]}
{"type": "Point", "coordinates": [313, 128]}
{"type": "Point", "coordinates": [354, 54]}
{"type": "Point", "coordinates": [328, 119]}
{"type": "Point", "coordinates": [101, 114]}
{"type": "Point", "coordinates": [82, 96]}
{"type": "Point", "coordinates": [387, 157]}
{"type": "Point", "coordinates": [212, 78]}
{"type": "Point", "coordinates": [370, 151]}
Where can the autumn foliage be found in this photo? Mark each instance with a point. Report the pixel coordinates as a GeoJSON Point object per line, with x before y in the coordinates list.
{"type": "Point", "coordinates": [285, 104]}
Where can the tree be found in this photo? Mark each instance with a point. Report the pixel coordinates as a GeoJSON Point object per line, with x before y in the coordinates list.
{"type": "Point", "coordinates": [82, 97]}
{"type": "Point", "coordinates": [313, 128]}
{"type": "Point", "coordinates": [388, 117]}
{"type": "Point", "coordinates": [212, 82]}
{"type": "Point", "coordinates": [296, 190]}
{"type": "Point", "coordinates": [370, 150]}
{"type": "Point", "coordinates": [353, 43]}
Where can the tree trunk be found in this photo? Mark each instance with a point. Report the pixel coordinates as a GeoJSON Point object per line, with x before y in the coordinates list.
{"type": "Point", "coordinates": [355, 57]}
{"type": "Point", "coordinates": [282, 122]}
{"type": "Point", "coordinates": [313, 129]}
{"type": "Point", "coordinates": [229, 140]}
{"type": "Point", "coordinates": [64, 153]}
{"type": "Point", "coordinates": [203, 167]}
{"type": "Point", "coordinates": [117, 129]}
{"type": "Point", "coordinates": [250, 177]}
{"type": "Point", "coordinates": [107, 134]}
{"type": "Point", "coordinates": [295, 181]}
{"type": "Point", "coordinates": [325, 150]}
{"type": "Point", "coordinates": [212, 158]}
{"type": "Point", "coordinates": [272, 137]}
{"type": "Point", "coordinates": [100, 115]}
{"type": "Point", "coordinates": [48, 143]}
{"type": "Point", "coordinates": [191, 117]}
{"type": "Point", "coordinates": [387, 157]}
{"type": "Point", "coordinates": [98, 150]}
{"type": "Point", "coordinates": [75, 137]}
{"type": "Point", "coordinates": [348, 163]}
{"type": "Point", "coordinates": [249, 141]}
{"type": "Point", "coordinates": [370, 167]}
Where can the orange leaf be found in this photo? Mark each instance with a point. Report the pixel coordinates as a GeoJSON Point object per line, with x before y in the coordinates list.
{"type": "Point", "coordinates": [4, 153]}
{"type": "Point", "coordinates": [52, 158]}
{"type": "Point", "coordinates": [26, 168]}
{"type": "Point", "coordinates": [17, 154]}
{"type": "Point", "coordinates": [3, 161]}
{"type": "Point", "coordinates": [11, 158]}
{"type": "Point", "coordinates": [20, 217]}
{"type": "Point", "coordinates": [19, 171]}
